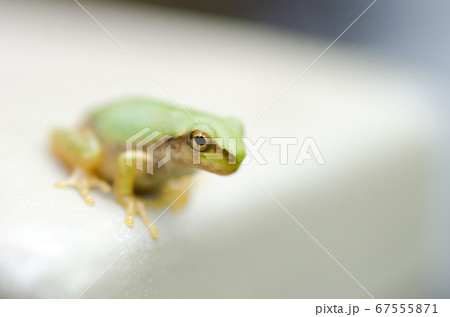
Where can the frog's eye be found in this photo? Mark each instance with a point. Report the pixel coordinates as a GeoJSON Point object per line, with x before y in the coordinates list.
{"type": "Point", "coordinates": [199, 141]}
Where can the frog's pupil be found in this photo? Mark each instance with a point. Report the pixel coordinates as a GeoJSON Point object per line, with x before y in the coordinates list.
{"type": "Point", "coordinates": [200, 140]}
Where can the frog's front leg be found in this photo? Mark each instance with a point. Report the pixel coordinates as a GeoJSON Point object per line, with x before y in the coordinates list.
{"type": "Point", "coordinates": [81, 151]}
{"type": "Point", "coordinates": [124, 189]}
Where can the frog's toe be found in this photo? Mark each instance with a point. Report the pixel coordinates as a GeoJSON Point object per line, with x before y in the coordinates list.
{"type": "Point", "coordinates": [129, 221]}
{"type": "Point", "coordinates": [148, 223]}
{"type": "Point", "coordinates": [84, 191]}
{"type": "Point", "coordinates": [154, 233]}
{"type": "Point", "coordinates": [101, 184]}
{"type": "Point", "coordinates": [130, 212]}
{"type": "Point", "coordinates": [134, 205]}
{"type": "Point", "coordinates": [84, 181]}
{"type": "Point", "coordinates": [62, 184]}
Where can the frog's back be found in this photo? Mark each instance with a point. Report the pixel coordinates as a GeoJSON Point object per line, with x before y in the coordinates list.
{"type": "Point", "coordinates": [117, 121]}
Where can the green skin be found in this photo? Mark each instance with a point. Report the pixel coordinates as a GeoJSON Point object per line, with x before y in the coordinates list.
{"type": "Point", "coordinates": [96, 152]}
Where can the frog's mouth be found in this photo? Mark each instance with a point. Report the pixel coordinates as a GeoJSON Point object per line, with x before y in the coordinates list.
{"type": "Point", "coordinates": [223, 166]}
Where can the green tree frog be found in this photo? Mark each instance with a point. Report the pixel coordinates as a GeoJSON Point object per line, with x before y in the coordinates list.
{"type": "Point", "coordinates": [99, 156]}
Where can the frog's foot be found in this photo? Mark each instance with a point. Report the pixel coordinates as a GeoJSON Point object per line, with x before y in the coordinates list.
{"type": "Point", "coordinates": [84, 181]}
{"type": "Point", "coordinates": [173, 194]}
{"type": "Point", "coordinates": [134, 205]}
{"type": "Point", "coordinates": [179, 203]}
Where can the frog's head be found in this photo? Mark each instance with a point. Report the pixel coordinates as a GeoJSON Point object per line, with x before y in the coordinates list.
{"type": "Point", "coordinates": [214, 145]}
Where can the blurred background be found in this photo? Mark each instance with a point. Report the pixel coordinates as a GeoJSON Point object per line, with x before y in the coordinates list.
{"type": "Point", "coordinates": [410, 31]}
{"type": "Point", "coordinates": [375, 102]}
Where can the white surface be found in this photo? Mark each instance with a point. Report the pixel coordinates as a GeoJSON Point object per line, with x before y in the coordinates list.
{"type": "Point", "coordinates": [367, 206]}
